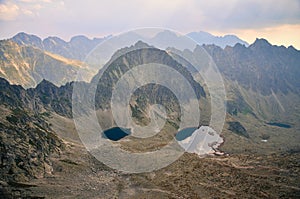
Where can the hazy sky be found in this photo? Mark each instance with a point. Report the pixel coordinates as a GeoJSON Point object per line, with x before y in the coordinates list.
{"type": "Point", "coordinates": [276, 20]}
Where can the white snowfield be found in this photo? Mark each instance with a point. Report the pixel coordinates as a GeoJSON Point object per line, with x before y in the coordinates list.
{"type": "Point", "coordinates": [203, 141]}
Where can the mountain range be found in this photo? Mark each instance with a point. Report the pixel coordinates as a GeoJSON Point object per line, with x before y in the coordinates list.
{"type": "Point", "coordinates": [27, 59]}
{"type": "Point", "coordinates": [79, 46]}
{"type": "Point", "coordinates": [261, 79]}
{"type": "Point", "coordinates": [39, 143]}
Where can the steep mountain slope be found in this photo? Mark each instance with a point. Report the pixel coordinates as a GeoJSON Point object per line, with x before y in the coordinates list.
{"type": "Point", "coordinates": [260, 67]}
{"type": "Point", "coordinates": [26, 139]}
{"type": "Point", "coordinates": [261, 79]}
{"type": "Point", "coordinates": [27, 66]}
{"type": "Point", "coordinates": [266, 77]}
{"type": "Point", "coordinates": [262, 91]}
{"type": "Point", "coordinates": [77, 48]}
{"type": "Point", "coordinates": [44, 97]}
{"type": "Point", "coordinates": [132, 58]}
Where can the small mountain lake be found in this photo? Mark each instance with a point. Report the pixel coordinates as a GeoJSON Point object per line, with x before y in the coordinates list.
{"type": "Point", "coordinates": [116, 133]}
{"type": "Point", "coordinates": [185, 133]}
{"type": "Point", "coordinates": [282, 125]}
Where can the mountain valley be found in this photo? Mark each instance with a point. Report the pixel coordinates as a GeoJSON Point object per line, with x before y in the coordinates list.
{"type": "Point", "coordinates": [42, 155]}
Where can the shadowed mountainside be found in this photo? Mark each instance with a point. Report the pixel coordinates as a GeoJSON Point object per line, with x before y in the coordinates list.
{"type": "Point", "coordinates": [261, 67]}
{"type": "Point", "coordinates": [223, 41]}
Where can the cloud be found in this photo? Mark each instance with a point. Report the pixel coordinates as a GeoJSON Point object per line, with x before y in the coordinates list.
{"type": "Point", "coordinates": [8, 11]}
{"type": "Point", "coordinates": [178, 14]}
{"type": "Point", "coordinates": [12, 10]}
{"type": "Point", "coordinates": [258, 14]}
{"type": "Point", "coordinates": [232, 14]}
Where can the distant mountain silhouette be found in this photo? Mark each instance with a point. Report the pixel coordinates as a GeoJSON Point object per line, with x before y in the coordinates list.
{"type": "Point", "coordinates": [222, 41]}
{"type": "Point", "coordinates": [77, 48]}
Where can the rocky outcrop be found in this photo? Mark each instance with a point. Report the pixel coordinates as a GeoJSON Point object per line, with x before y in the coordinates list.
{"type": "Point", "coordinates": [26, 145]}
{"type": "Point", "coordinates": [46, 96]}
{"type": "Point", "coordinates": [26, 139]}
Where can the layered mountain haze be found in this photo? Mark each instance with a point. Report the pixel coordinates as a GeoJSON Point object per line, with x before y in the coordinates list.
{"type": "Point", "coordinates": [77, 48]}
{"type": "Point", "coordinates": [27, 59]}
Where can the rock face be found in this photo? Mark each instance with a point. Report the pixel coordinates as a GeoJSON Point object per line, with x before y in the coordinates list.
{"type": "Point", "coordinates": [46, 96]}
{"type": "Point", "coordinates": [261, 67]}
{"type": "Point", "coordinates": [53, 98]}
{"type": "Point", "coordinates": [26, 140]}
{"type": "Point", "coordinates": [26, 145]}
{"type": "Point", "coordinates": [134, 58]}
{"type": "Point", "coordinates": [261, 80]}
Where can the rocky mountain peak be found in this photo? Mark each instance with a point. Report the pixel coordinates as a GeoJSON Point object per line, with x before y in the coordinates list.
{"type": "Point", "coordinates": [54, 41]}
{"type": "Point", "coordinates": [260, 43]}
{"type": "Point", "coordinates": [45, 84]}
{"type": "Point", "coordinates": [239, 46]}
{"type": "Point", "coordinates": [23, 38]}
{"type": "Point", "coordinates": [140, 44]}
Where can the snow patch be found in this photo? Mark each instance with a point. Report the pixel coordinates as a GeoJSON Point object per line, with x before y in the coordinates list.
{"type": "Point", "coordinates": [204, 140]}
